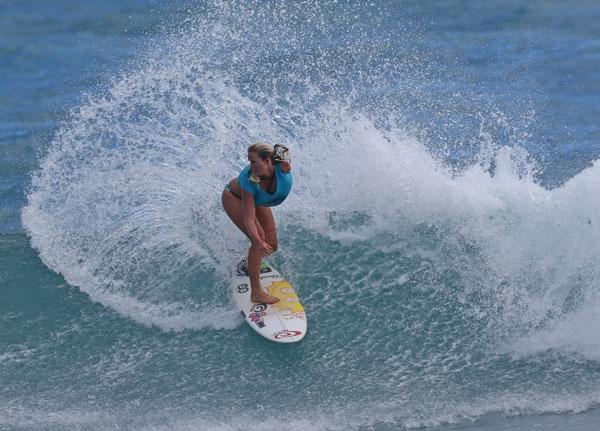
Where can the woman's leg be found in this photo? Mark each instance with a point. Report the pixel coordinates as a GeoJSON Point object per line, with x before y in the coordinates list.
{"type": "Point", "coordinates": [265, 218]}
{"type": "Point", "coordinates": [233, 207]}
{"type": "Point", "coordinates": [266, 222]}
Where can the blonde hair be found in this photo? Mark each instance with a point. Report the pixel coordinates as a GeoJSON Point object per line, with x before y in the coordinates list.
{"type": "Point", "coordinates": [264, 151]}
{"type": "Point", "coordinates": [278, 154]}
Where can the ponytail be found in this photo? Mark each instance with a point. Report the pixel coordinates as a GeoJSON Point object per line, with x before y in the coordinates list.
{"type": "Point", "coordinates": [281, 154]}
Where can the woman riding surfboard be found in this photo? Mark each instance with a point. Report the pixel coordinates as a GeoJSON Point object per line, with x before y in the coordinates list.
{"type": "Point", "coordinates": [247, 199]}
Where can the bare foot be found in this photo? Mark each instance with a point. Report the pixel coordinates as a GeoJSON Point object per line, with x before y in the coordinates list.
{"type": "Point", "coordinates": [261, 297]}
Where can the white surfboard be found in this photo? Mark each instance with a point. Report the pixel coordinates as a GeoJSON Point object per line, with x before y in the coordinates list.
{"type": "Point", "coordinates": [282, 322]}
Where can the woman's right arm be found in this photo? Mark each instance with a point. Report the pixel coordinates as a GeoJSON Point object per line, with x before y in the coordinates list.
{"type": "Point", "coordinates": [249, 210]}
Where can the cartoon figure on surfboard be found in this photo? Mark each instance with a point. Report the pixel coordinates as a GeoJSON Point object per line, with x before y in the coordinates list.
{"type": "Point", "coordinates": [247, 199]}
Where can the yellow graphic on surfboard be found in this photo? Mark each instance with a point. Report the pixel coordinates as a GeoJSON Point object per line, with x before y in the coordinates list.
{"type": "Point", "coordinates": [289, 303]}
{"type": "Point", "coordinates": [282, 322]}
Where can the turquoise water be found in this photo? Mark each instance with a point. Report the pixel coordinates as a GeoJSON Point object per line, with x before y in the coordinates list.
{"type": "Point", "coordinates": [442, 231]}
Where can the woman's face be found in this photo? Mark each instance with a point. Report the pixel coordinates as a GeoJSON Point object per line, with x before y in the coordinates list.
{"type": "Point", "coordinates": [262, 168]}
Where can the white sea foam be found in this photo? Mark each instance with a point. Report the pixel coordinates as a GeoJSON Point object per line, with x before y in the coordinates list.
{"type": "Point", "coordinates": [126, 207]}
{"type": "Point", "coordinates": [126, 201]}
{"type": "Point", "coordinates": [356, 417]}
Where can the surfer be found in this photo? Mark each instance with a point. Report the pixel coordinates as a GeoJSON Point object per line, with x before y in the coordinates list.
{"type": "Point", "coordinates": [264, 183]}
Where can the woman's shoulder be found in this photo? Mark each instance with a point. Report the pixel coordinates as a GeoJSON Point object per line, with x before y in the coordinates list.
{"type": "Point", "coordinates": [283, 167]}
{"type": "Point", "coordinates": [245, 172]}
{"type": "Point", "coordinates": [244, 179]}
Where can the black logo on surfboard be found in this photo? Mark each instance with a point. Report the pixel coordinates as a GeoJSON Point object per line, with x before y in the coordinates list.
{"type": "Point", "coordinates": [242, 268]}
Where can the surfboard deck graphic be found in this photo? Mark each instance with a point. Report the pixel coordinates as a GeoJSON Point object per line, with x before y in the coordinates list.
{"type": "Point", "coordinates": [282, 322]}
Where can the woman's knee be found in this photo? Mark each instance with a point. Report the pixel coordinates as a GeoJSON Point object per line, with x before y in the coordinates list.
{"type": "Point", "coordinates": [267, 235]}
{"type": "Point", "coordinates": [260, 230]}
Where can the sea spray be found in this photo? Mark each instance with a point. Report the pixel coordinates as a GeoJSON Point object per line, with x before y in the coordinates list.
{"type": "Point", "coordinates": [442, 278]}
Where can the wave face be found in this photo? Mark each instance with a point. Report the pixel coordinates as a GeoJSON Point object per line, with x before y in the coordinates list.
{"type": "Point", "coordinates": [445, 274]}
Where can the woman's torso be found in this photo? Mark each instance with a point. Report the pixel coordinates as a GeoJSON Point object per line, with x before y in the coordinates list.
{"type": "Point", "coordinates": [266, 193]}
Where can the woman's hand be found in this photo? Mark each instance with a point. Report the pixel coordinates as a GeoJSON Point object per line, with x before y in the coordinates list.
{"type": "Point", "coordinates": [263, 247]}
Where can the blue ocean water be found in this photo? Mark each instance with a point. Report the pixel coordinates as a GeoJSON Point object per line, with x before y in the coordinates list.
{"type": "Point", "coordinates": [442, 232]}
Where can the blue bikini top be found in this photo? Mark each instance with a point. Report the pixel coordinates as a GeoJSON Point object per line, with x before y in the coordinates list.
{"type": "Point", "coordinates": [264, 199]}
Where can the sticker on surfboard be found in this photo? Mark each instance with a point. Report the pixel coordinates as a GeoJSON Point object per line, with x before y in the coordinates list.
{"type": "Point", "coordinates": [282, 322]}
